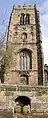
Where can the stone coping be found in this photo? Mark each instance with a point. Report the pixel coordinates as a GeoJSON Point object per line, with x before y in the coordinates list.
{"type": "Point", "coordinates": [16, 87]}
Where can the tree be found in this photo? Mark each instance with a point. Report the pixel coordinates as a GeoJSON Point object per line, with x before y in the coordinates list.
{"type": "Point", "coordinates": [3, 36]}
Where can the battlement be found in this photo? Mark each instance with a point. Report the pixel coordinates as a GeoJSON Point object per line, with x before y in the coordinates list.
{"type": "Point", "coordinates": [27, 7]}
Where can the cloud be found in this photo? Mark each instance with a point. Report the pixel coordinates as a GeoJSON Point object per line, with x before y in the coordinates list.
{"type": "Point", "coordinates": [44, 7]}
{"type": "Point", "coordinates": [44, 28]}
{"type": "Point", "coordinates": [44, 17]}
{"type": "Point", "coordinates": [45, 48]}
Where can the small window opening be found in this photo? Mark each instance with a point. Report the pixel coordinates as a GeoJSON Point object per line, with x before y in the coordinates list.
{"type": "Point", "coordinates": [27, 19]}
{"type": "Point", "coordinates": [22, 19]}
{"type": "Point", "coordinates": [24, 79]}
{"type": "Point", "coordinates": [24, 37]}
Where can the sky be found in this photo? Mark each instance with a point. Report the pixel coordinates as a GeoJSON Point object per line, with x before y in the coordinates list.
{"type": "Point", "coordinates": [6, 8]}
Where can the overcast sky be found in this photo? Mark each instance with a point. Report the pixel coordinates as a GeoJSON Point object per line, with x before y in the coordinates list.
{"type": "Point", "coordinates": [5, 10]}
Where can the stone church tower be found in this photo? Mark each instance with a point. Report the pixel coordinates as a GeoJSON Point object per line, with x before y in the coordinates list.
{"type": "Point", "coordinates": [20, 95]}
{"type": "Point", "coordinates": [24, 55]}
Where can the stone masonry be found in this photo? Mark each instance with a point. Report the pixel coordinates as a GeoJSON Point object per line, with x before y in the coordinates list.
{"type": "Point", "coordinates": [24, 38]}
{"type": "Point", "coordinates": [23, 92]}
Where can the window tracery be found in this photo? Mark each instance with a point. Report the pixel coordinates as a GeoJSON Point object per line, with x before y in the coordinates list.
{"type": "Point", "coordinates": [25, 60]}
{"type": "Point", "coordinates": [25, 19]}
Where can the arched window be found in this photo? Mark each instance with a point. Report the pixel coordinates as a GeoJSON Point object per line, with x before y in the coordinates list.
{"type": "Point", "coordinates": [24, 79]}
{"type": "Point", "coordinates": [25, 60]}
{"type": "Point", "coordinates": [24, 37]}
{"type": "Point", "coordinates": [22, 19]}
{"type": "Point", "coordinates": [27, 19]}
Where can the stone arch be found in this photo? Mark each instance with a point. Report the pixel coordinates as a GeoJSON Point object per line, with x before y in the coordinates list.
{"type": "Point", "coordinates": [22, 49]}
{"type": "Point", "coordinates": [23, 101]}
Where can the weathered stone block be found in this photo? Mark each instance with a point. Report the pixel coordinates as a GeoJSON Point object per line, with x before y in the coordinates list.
{"type": "Point", "coordinates": [6, 113]}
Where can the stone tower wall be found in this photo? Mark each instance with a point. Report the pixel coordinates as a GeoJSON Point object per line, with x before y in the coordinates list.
{"type": "Point", "coordinates": [15, 45]}
{"type": "Point", "coordinates": [39, 49]}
